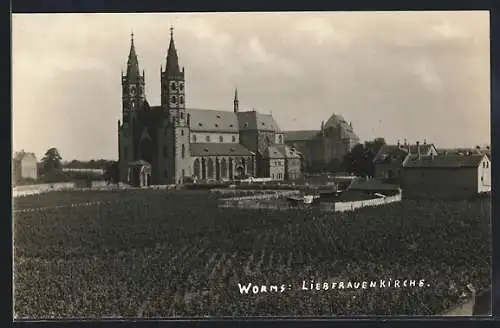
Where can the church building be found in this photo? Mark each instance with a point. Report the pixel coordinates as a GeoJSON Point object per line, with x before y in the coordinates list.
{"type": "Point", "coordinates": [326, 146]}
{"type": "Point", "coordinates": [169, 143]}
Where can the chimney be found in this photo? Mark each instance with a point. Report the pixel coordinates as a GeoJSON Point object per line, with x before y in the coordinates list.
{"type": "Point", "coordinates": [418, 150]}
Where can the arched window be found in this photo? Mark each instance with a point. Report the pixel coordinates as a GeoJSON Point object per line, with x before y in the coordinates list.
{"type": "Point", "coordinates": [183, 150]}
{"type": "Point", "coordinates": [221, 139]}
{"type": "Point", "coordinates": [194, 137]}
{"type": "Point", "coordinates": [280, 139]}
{"type": "Point", "coordinates": [207, 138]}
{"type": "Point", "coordinates": [234, 138]}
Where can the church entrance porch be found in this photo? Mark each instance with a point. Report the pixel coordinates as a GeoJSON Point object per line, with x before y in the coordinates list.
{"type": "Point", "coordinates": [139, 174]}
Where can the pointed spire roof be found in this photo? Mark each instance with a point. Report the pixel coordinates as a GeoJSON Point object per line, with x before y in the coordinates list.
{"type": "Point", "coordinates": [172, 58]}
{"type": "Point", "coordinates": [132, 62]}
{"type": "Point", "coordinates": [236, 101]}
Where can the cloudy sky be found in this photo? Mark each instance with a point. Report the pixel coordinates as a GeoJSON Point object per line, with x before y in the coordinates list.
{"type": "Point", "coordinates": [414, 75]}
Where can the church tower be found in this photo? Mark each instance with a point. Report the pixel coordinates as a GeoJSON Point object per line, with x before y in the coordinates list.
{"type": "Point", "coordinates": [176, 161]}
{"type": "Point", "coordinates": [133, 98]}
{"type": "Point", "coordinates": [133, 85]}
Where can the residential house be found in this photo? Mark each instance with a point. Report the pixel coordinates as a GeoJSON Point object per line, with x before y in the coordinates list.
{"type": "Point", "coordinates": [275, 163]}
{"type": "Point", "coordinates": [389, 160]}
{"type": "Point", "coordinates": [24, 166]}
{"type": "Point", "coordinates": [293, 162]}
{"type": "Point", "coordinates": [446, 176]}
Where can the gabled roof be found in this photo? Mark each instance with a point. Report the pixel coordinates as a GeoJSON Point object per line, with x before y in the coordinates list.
{"type": "Point", "coordinates": [218, 149]}
{"type": "Point", "coordinates": [266, 122]}
{"type": "Point", "coordinates": [273, 152]}
{"type": "Point", "coordinates": [386, 152]}
{"type": "Point", "coordinates": [207, 120]}
{"type": "Point", "coordinates": [254, 121]}
{"type": "Point", "coordinates": [424, 148]}
{"type": "Point", "coordinates": [449, 161]}
{"type": "Point", "coordinates": [301, 135]}
{"type": "Point", "coordinates": [288, 151]}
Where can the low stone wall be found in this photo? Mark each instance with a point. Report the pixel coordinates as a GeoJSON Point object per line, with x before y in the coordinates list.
{"type": "Point", "coordinates": [22, 191]}
{"type": "Point", "coordinates": [267, 195]}
{"type": "Point", "coordinates": [252, 202]}
{"type": "Point", "coordinates": [350, 206]}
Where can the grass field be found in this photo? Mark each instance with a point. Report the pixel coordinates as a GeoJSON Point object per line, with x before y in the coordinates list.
{"type": "Point", "coordinates": [175, 253]}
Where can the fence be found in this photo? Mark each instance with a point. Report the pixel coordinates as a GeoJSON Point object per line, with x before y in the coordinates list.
{"type": "Point", "coordinates": [350, 206]}
{"type": "Point", "coordinates": [21, 191]}
{"type": "Point", "coordinates": [251, 202]}
{"type": "Point", "coordinates": [267, 195]}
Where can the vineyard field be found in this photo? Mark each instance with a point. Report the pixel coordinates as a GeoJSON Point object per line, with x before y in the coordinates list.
{"type": "Point", "coordinates": [159, 253]}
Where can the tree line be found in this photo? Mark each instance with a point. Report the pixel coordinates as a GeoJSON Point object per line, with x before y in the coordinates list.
{"type": "Point", "coordinates": [359, 161]}
{"type": "Point", "coordinates": [50, 169]}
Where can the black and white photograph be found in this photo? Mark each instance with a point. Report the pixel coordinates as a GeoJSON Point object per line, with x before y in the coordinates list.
{"type": "Point", "coordinates": [251, 164]}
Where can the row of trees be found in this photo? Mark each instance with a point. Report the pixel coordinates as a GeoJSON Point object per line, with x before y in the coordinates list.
{"type": "Point", "coordinates": [51, 169]}
{"type": "Point", "coordinates": [360, 160]}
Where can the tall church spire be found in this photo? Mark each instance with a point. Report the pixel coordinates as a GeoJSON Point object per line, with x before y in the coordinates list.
{"type": "Point", "coordinates": [172, 59]}
{"type": "Point", "coordinates": [132, 62]}
{"type": "Point", "coordinates": [236, 101]}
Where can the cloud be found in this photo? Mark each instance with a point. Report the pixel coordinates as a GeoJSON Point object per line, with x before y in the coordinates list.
{"type": "Point", "coordinates": [321, 31]}
{"type": "Point", "coordinates": [428, 76]}
{"type": "Point", "coordinates": [446, 30]}
{"type": "Point", "coordinates": [257, 53]}
{"type": "Point", "coordinates": [395, 68]}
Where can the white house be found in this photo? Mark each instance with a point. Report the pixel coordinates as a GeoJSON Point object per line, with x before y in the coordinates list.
{"type": "Point", "coordinates": [24, 166]}
{"type": "Point", "coordinates": [452, 175]}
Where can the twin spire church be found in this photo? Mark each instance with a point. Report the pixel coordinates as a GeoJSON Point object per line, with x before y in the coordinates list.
{"type": "Point", "coordinates": [168, 143]}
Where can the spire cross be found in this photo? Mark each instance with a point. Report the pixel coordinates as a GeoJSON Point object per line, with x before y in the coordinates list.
{"type": "Point", "coordinates": [132, 36]}
{"type": "Point", "coordinates": [171, 30]}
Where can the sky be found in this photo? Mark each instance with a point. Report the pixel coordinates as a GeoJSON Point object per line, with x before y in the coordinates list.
{"type": "Point", "coordinates": [397, 75]}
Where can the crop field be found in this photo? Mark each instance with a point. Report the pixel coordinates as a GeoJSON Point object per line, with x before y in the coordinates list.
{"type": "Point", "coordinates": [158, 253]}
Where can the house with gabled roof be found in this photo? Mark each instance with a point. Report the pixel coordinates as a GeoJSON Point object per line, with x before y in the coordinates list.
{"type": "Point", "coordinates": [446, 176]}
{"type": "Point", "coordinates": [388, 161]}
{"type": "Point", "coordinates": [24, 166]}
